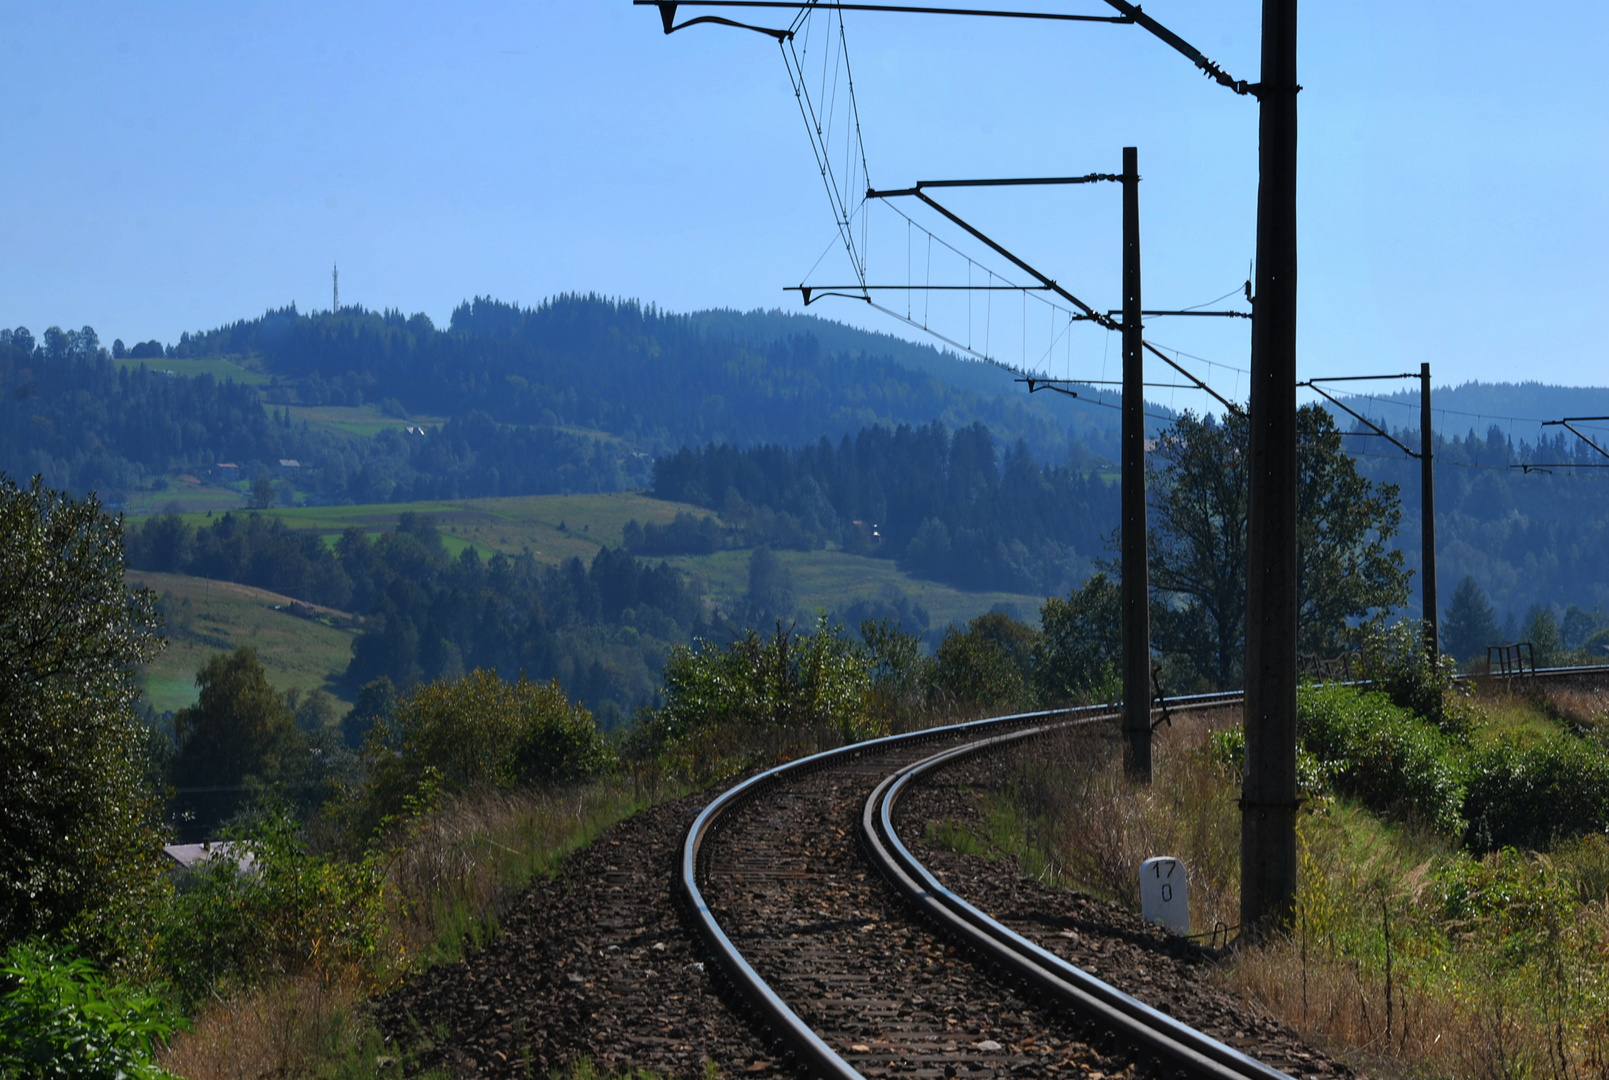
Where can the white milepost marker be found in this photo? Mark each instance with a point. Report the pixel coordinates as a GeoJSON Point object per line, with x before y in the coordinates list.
{"type": "Point", "coordinates": [1164, 897]}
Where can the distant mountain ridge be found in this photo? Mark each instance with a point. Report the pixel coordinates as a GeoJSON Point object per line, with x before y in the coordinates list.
{"type": "Point", "coordinates": [658, 379]}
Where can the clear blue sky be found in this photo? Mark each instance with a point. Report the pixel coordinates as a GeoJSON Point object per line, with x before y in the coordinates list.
{"type": "Point", "coordinates": [175, 166]}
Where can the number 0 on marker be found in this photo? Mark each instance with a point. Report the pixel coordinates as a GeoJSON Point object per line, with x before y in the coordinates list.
{"type": "Point", "coordinates": [1164, 893]}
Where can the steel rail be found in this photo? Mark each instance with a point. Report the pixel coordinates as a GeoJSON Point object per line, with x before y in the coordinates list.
{"type": "Point", "coordinates": [1154, 1033]}
{"type": "Point", "coordinates": [807, 1047]}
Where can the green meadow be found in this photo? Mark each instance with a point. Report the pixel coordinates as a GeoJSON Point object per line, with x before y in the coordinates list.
{"type": "Point", "coordinates": [218, 367]}
{"type": "Point", "coordinates": [305, 654]}
{"type": "Point", "coordinates": [829, 580]}
{"type": "Point", "coordinates": [220, 616]}
{"type": "Point", "coordinates": [552, 527]}
{"type": "Point", "coordinates": [361, 421]}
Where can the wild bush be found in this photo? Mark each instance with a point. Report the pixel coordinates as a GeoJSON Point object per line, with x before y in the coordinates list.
{"type": "Point", "coordinates": [757, 697]}
{"type": "Point", "coordinates": [270, 907]}
{"type": "Point", "coordinates": [990, 664]}
{"type": "Point", "coordinates": [1531, 796]}
{"type": "Point", "coordinates": [61, 1018]}
{"type": "Point", "coordinates": [477, 731]}
{"type": "Point", "coordinates": [1396, 662]}
{"type": "Point", "coordinates": [1382, 754]}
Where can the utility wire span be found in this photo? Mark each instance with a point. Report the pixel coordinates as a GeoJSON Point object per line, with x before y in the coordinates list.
{"type": "Point", "coordinates": [1128, 13]}
{"type": "Point", "coordinates": [1089, 312]}
{"type": "Point", "coordinates": [1569, 422]}
{"type": "Point", "coordinates": [1376, 428]}
{"type": "Point", "coordinates": [667, 11]}
{"type": "Point", "coordinates": [818, 118]}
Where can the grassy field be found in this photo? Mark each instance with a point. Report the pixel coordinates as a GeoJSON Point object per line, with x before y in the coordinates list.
{"type": "Point", "coordinates": [556, 527]}
{"type": "Point", "coordinates": [358, 420]}
{"type": "Point", "coordinates": [834, 579]}
{"type": "Point", "coordinates": [300, 653]}
{"type": "Point", "coordinates": [190, 499]}
{"type": "Point", "coordinates": [216, 366]}
{"type": "Point", "coordinates": [553, 527]}
{"type": "Point", "coordinates": [306, 654]}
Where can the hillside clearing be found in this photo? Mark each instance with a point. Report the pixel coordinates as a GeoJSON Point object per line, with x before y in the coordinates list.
{"type": "Point", "coordinates": [207, 617]}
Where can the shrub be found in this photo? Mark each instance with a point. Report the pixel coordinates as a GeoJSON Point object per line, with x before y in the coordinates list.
{"type": "Point", "coordinates": [1227, 750]}
{"type": "Point", "coordinates": [1073, 656]}
{"type": "Point", "coordinates": [1382, 754]}
{"type": "Point", "coordinates": [479, 731]}
{"type": "Point", "coordinates": [1396, 662]}
{"type": "Point", "coordinates": [233, 924]}
{"type": "Point", "coordinates": [901, 676]}
{"type": "Point", "coordinates": [988, 665]}
{"type": "Point", "coordinates": [62, 1018]}
{"type": "Point", "coordinates": [1531, 796]}
{"type": "Point", "coordinates": [1512, 901]}
{"type": "Point", "coordinates": [740, 699]}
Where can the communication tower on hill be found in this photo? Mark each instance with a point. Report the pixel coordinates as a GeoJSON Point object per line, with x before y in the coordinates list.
{"type": "Point", "coordinates": [335, 281]}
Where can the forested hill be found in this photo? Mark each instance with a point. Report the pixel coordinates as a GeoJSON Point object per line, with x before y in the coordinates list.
{"type": "Point", "coordinates": [656, 379]}
{"type": "Point", "coordinates": [577, 394]}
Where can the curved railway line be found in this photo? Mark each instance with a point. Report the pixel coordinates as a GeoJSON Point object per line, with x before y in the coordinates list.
{"type": "Point", "coordinates": [790, 926]}
{"type": "Point", "coordinates": [859, 962]}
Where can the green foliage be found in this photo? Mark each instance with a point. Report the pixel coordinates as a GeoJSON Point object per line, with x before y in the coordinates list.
{"type": "Point", "coordinates": [1468, 626]}
{"type": "Point", "coordinates": [1533, 795]}
{"type": "Point", "coordinates": [479, 731]}
{"type": "Point", "coordinates": [1080, 640]}
{"type": "Point", "coordinates": [1542, 631]}
{"type": "Point", "coordinates": [1383, 755]}
{"type": "Point", "coordinates": [238, 737]}
{"type": "Point", "coordinates": [1227, 750]}
{"type": "Point", "coordinates": [947, 504]}
{"type": "Point", "coordinates": [771, 590]}
{"type": "Point", "coordinates": [1347, 567]}
{"type": "Point", "coordinates": [1396, 662]}
{"type": "Point", "coordinates": [787, 684]}
{"type": "Point", "coordinates": [78, 851]}
{"type": "Point", "coordinates": [685, 535]}
{"type": "Point", "coordinates": [1508, 900]}
{"type": "Point", "coordinates": [265, 906]}
{"type": "Point", "coordinates": [901, 675]}
{"type": "Point", "coordinates": [377, 701]}
{"type": "Point", "coordinates": [988, 665]}
{"type": "Point", "coordinates": [61, 1019]}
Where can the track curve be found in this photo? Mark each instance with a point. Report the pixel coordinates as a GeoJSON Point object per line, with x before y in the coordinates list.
{"type": "Point", "coordinates": [833, 962]}
{"type": "Point", "coordinates": [851, 985]}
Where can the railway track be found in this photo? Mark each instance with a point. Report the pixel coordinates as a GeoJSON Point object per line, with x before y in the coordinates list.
{"type": "Point", "coordinates": [861, 963]}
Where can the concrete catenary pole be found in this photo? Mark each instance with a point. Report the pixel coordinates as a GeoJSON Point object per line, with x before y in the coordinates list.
{"type": "Point", "coordinates": [1268, 806]}
{"type": "Point", "coordinates": [1427, 513]}
{"type": "Point", "coordinates": [1136, 580]}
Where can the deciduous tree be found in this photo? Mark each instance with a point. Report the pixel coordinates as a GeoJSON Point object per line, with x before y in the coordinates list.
{"type": "Point", "coordinates": [79, 852]}
{"type": "Point", "coordinates": [1347, 570]}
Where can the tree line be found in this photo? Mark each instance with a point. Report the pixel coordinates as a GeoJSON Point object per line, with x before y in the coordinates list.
{"type": "Point", "coordinates": [946, 506]}
{"type": "Point", "coordinates": [603, 628]}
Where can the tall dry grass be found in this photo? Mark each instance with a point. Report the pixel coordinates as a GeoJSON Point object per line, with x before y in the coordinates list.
{"type": "Point", "coordinates": [1094, 826]}
{"type": "Point", "coordinates": [448, 878]}
{"type": "Point", "coordinates": [1373, 969]}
